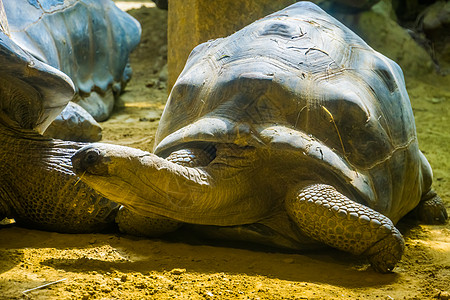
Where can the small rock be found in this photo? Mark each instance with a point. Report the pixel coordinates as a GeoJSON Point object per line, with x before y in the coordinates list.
{"type": "Point", "coordinates": [161, 85]}
{"type": "Point", "coordinates": [92, 241]}
{"type": "Point", "coordinates": [141, 285]}
{"type": "Point", "coordinates": [177, 271]}
{"type": "Point", "coordinates": [443, 295]}
{"type": "Point", "coordinates": [163, 74]}
{"type": "Point", "coordinates": [437, 100]}
{"type": "Point", "coordinates": [288, 260]}
{"type": "Point", "coordinates": [123, 278]}
{"type": "Point", "coordinates": [150, 84]}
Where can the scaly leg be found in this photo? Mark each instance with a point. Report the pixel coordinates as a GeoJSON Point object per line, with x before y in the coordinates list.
{"type": "Point", "coordinates": [326, 215]}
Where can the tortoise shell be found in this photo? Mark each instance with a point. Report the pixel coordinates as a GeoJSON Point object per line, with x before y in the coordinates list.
{"type": "Point", "coordinates": [298, 80]}
{"type": "Point", "coordinates": [32, 93]}
{"type": "Point", "coordinates": [89, 40]}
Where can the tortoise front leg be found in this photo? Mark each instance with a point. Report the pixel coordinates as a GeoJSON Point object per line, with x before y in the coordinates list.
{"type": "Point", "coordinates": [324, 214]}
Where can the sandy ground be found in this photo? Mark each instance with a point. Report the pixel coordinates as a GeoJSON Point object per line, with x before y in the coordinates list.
{"type": "Point", "coordinates": [115, 266]}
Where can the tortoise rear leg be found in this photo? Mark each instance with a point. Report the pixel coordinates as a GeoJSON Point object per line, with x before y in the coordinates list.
{"type": "Point", "coordinates": [431, 209]}
{"type": "Point", "coordinates": [324, 214]}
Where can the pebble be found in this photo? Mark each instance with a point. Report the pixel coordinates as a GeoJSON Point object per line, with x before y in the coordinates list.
{"type": "Point", "coordinates": [288, 260]}
{"type": "Point", "coordinates": [443, 295]}
{"type": "Point", "coordinates": [177, 271]}
{"type": "Point", "coordinates": [437, 100]}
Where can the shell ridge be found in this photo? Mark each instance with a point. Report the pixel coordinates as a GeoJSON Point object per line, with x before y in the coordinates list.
{"type": "Point", "coordinates": [44, 14]}
{"type": "Point", "coordinates": [36, 113]}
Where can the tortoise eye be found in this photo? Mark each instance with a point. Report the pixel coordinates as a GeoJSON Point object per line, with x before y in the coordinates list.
{"type": "Point", "coordinates": [91, 156]}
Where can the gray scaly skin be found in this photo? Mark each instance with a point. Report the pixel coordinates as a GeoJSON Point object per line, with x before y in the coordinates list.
{"type": "Point", "coordinates": [38, 186]}
{"type": "Point", "coordinates": [310, 136]}
{"type": "Point", "coordinates": [153, 225]}
{"type": "Point", "coordinates": [328, 216]}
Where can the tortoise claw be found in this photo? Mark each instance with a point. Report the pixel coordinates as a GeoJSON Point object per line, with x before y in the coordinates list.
{"type": "Point", "coordinates": [431, 210]}
{"type": "Point", "coordinates": [386, 253]}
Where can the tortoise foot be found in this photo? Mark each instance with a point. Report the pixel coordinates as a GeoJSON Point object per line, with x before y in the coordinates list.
{"type": "Point", "coordinates": [74, 123]}
{"type": "Point", "coordinates": [98, 105]}
{"type": "Point", "coordinates": [385, 254]}
{"type": "Point", "coordinates": [431, 209]}
{"type": "Point", "coordinates": [326, 215]}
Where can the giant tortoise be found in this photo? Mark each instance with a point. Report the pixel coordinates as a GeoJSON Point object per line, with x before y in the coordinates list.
{"type": "Point", "coordinates": [38, 187]}
{"type": "Point", "coordinates": [291, 131]}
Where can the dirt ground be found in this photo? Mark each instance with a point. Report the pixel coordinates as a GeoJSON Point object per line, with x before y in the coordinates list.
{"type": "Point", "coordinates": [115, 266]}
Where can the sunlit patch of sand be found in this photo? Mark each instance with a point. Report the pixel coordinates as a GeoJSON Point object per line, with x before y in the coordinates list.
{"type": "Point", "coordinates": [437, 242]}
{"type": "Point", "coordinates": [128, 5]}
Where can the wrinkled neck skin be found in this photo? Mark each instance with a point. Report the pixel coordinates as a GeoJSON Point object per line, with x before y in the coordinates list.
{"type": "Point", "coordinates": [144, 182]}
{"type": "Point", "coordinates": [233, 189]}
{"type": "Point", "coordinates": [22, 154]}
{"type": "Point", "coordinates": [39, 188]}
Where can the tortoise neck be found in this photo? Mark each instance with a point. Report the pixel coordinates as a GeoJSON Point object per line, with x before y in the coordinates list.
{"type": "Point", "coordinates": [24, 153]}
{"type": "Point", "coordinates": [15, 145]}
{"type": "Point", "coordinates": [10, 129]}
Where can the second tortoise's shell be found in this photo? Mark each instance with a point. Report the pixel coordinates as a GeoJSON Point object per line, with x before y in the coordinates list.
{"type": "Point", "coordinates": [300, 80]}
{"type": "Point", "coordinates": [32, 93]}
{"type": "Point", "coordinates": [89, 40]}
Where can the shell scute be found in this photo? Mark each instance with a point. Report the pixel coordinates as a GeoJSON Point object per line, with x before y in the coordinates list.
{"type": "Point", "coordinates": [89, 40]}
{"type": "Point", "coordinates": [32, 93]}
